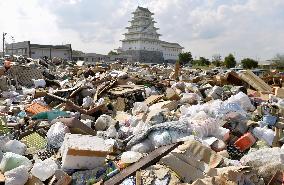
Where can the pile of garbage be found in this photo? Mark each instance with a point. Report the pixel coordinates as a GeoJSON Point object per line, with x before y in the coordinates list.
{"type": "Point", "coordinates": [67, 123]}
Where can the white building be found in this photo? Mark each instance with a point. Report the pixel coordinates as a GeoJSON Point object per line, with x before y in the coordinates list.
{"type": "Point", "coordinates": [142, 39]}
{"type": "Point", "coordinates": [39, 51]}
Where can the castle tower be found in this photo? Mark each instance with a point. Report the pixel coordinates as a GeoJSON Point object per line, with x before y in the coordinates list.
{"type": "Point", "coordinates": [142, 40]}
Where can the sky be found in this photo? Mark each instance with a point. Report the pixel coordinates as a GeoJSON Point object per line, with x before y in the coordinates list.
{"type": "Point", "coordinates": [245, 28]}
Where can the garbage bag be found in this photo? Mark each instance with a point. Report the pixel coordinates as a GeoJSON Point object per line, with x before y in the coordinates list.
{"type": "Point", "coordinates": [243, 100]}
{"type": "Point", "coordinates": [56, 133]}
{"type": "Point", "coordinates": [265, 134]}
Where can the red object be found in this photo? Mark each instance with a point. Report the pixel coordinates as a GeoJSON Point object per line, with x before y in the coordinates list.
{"type": "Point", "coordinates": [245, 142]}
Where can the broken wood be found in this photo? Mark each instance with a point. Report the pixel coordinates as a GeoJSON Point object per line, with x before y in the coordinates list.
{"type": "Point", "coordinates": [150, 159]}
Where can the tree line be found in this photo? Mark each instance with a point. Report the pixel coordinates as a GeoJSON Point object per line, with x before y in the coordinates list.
{"type": "Point", "coordinates": [228, 62]}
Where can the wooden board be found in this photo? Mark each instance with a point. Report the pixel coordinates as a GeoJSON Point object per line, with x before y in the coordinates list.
{"type": "Point", "coordinates": [143, 163]}
{"type": "Point", "coordinates": [153, 99]}
{"type": "Point", "coordinates": [124, 89]}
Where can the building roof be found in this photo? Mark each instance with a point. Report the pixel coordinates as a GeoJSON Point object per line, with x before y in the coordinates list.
{"type": "Point", "coordinates": [144, 9]}
{"type": "Point", "coordinates": [67, 46]}
{"type": "Point", "coordinates": [172, 44]}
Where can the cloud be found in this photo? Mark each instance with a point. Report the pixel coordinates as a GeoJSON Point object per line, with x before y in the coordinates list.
{"type": "Point", "coordinates": [248, 28]}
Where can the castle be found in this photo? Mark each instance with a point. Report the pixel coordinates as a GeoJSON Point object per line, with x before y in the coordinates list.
{"type": "Point", "coordinates": [142, 41]}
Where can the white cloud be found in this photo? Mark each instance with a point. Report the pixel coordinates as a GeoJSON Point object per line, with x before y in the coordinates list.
{"type": "Point", "coordinates": [248, 28]}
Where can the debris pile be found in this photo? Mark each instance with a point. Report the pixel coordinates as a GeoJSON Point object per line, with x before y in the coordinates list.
{"type": "Point", "coordinates": [67, 123]}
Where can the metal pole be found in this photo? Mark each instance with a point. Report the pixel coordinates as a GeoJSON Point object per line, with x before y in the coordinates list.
{"type": "Point", "coordinates": [4, 34]}
{"type": "Point", "coordinates": [13, 40]}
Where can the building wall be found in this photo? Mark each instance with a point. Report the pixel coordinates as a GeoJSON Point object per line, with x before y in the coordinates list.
{"type": "Point", "coordinates": [50, 53]}
{"type": "Point", "coordinates": [19, 48]}
{"type": "Point", "coordinates": [170, 52]}
{"type": "Point", "coordinates": [145, 56]}
{"type": "Point", "coordinates": [38, 51]}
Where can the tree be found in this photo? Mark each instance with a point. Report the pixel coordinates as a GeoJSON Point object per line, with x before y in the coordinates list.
{"type": "Point", "coordinates": [217, 60]}
{"type": "Point", "coordinates": [185, 58]}
{"type": "Point", "coordinates": [112, 53]}
{"type": "Point", "coordinates": [249, 63]}
{"type": "Point", "coordinates": [204, 61]}
{"type": "Point", "coordinates": [230, 61]}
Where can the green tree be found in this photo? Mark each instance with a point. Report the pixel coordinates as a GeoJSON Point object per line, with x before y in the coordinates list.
{"type": "Point", "coordinates": [230, 61]}
{"type": "Point", "coordinates": [249, 63]}
{"type": "Point", "coordinates": [185, 58]}
{"type": "Point", "coordinates": [112, 53]}
{"type": "Point", "coordinates": [204, 61]}
{"type": "Point", "coordinates": [217, 60]}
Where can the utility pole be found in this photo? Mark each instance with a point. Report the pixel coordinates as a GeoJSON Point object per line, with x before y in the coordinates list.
{"type": "Point", "coordinates": [4, 34]}
{"type": "Point", "coordinates": [13, 40]}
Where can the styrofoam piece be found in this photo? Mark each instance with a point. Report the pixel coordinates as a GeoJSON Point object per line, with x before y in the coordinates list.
{"type": "Point", "coordinates": [11, 161]}
{"type": "Point", "coordinates": [17, 176]}
{"type": "Point", "coordinates": [16, 147]}
{"type": "Point", "coordinates": [130, 157]}
{"type": "Point", "coordinates": [39, 83]}
{"type": "Point", "coordinates": [44, 169]}
{"type": "Point", "coordinates": [83, 151]}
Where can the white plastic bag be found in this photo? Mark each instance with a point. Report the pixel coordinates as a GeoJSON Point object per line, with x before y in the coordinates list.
{"type": "Point", "coordinates": [39, 83]}
{"type": "Point", "coordinates": [87, 102]}
{"type": "Point", "coordinates": [160, 138]}
{"type": "Point", "coordinates": [56, 133]}
{"type": "Point", "coordinates": [139, 107]}
{"type": "Point", "coordinates": [265, 134]}
{"type": "Point", "coordinates": [243, 100]}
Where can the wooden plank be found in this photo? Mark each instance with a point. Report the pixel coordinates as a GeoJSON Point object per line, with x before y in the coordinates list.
{"type": "Point", "coordinates": [150, 159]}
{"type": "Point", "coordinates": [138, 178]}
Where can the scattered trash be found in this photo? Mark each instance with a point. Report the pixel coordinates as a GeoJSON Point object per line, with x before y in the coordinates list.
{"type": "Point", "coordinates": [69, 123]}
